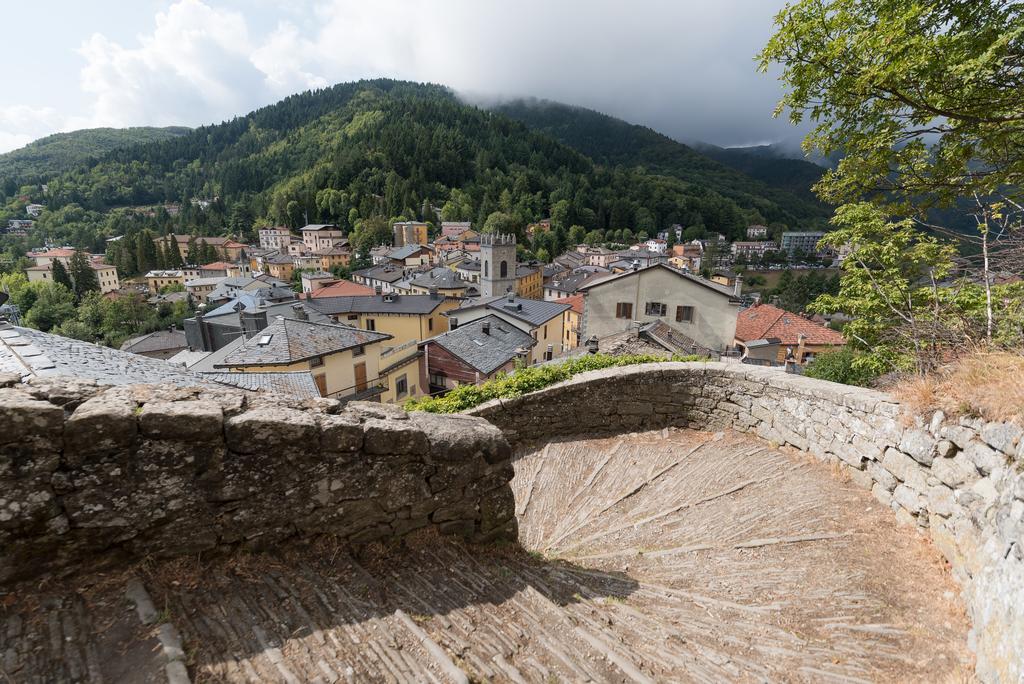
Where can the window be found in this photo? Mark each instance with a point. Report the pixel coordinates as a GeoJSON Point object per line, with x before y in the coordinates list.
{"type": "Point", "coordinates": [371, 324]}
{"type": "Point", "coordinates": [684, 314]}
{"type": "Point", "coordinates": [401, 386]}
{"type": "Point", "coordinates": [624, 310]}
{"type": "Point", "coordinates": [358, 351]}
{"type": "Point", "coordinates": [504, 269]}
{"type": "Point", "coordinates": [656, 309]}
{"type": "Point", "coordinates": [487, 273]}
{"type": "Point", "coordinates": [264, 340]}
{"type": "Point", "coordinates": [438, 379]}
{"type": "Point", "coordinates": [430, 324]}
{"type": "Point", "coordinates": [316, 362]}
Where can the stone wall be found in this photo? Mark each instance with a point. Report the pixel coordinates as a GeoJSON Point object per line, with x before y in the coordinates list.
{"type": "Point", "coordinates": [92, 476]}
{"type": "Point", "coordinates": [959, 481]}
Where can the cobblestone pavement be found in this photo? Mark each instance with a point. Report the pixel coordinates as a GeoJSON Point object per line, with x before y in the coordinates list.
{"type": "Point", "coordinates": [667, 556]}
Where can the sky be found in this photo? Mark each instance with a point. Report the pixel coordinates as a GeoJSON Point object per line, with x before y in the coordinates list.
{"type": "Point", "coordinates": [683, 67]}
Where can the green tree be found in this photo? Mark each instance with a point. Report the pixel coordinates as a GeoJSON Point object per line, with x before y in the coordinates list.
{"type": "Point", "coordinates": [499, 222]}
{"type": "Point", "coordinates": [193, 254]}
{"type": "Point", "coordinates": [53, 305]}
{"type": "Point", "coordinates": [924, 99]}
{"type": "Point", "coordinates": [83, 275]}
{"type": "Point", "coordinates": [543, 256]}
{"type": "Point", "coordinates": [60, 274]}
{"type": "Point", "coordinates": [576, 235]}
{"type": "Point", "coordinates": [145, 253]}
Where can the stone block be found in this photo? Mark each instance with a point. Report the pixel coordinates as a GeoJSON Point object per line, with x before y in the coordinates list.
{"type": "Point", "coordinates": [1002, 436]}
{"type": "Point", "coordinates": [394, 437]}
{"type": "Point", "coordinates": [905, 469]}
{"type": "Point", "coordinates": [882, 476]}
{"type": "Point", "coordinates": [265, 429]}
{"type": "Point", "coordinates": [102, 424]}
{"type": "Point", "coordinates": [984, 457]}
{"type": "Point", "coordinates": [940, 500]}
{"type": "Point", "coordinates": [24, 418]}
{"type": "Point", "coordinates": [954, 472]}
{"type": "Point", "coordinates": [341, 433]}
{"type": "Point", "coordinates": [919, 445]}
{"type": "Point", "coordinates": [908, 499]}
{"type": "Point", "coordinates": [882, 494]}
{"type": "Point", "coordinates": [958, 434]}
{"type": "Point", "coordinates": [186, 421]}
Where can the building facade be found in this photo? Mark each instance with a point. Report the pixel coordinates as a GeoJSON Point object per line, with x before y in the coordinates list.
{"type": "Point", "coordinates": [497, 264]}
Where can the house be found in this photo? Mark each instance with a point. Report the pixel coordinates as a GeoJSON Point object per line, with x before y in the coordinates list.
{"type": "Point", "coordinates": [797, 338]}
{"type": "Point", "coordinates": [34, 210]}
{"type": "Point", "coordinates": [404, 317]}
{"type": "Point", "coordinates": [161, 344]}
{"type": "Point", "coordinates": [544, 321]}
{"type": "Point", "coordinates": [227, 248]}
{"type": "Point", "coordinates": [216, 327]}
{"type": "Point", "coordinates": [409, 233]}
{"type": "Point", "coordinates": [573, 319]}
{"type": "Point", "coordinates": [200, 288]}
{"type": "Point", "coordinates": [337, 256]}
{"type": "Point", "coordinates": [224, 269]}
{"type": "Point", "coordinates": [106, 275]}
{"type": "Point", "coordinates": [656, 245]}
{"type": "Point", "coordinates": [805, 242]}
{"type": "Point", "coordinates": [278, 238]}
{"type": "Point", "coordinates": [469, 270]}
{"type": "Point", "coordinates": [467, 241]}
{"type": "Point", "coordinates": [757, 232]}
{"type": "Point", "coordinates": [698, 309]}
{"type": "Point", "coordinates": [280, 266]}
{"type": "Point", "coordinates": [472, 353]}
{"type": "Point", "coordinates": [383, 276]}
{"type": "Point", "coordinates": [628, 259]}
{"type": "Point", "coordinates": [343, 360]}
{"type": "Point", "coordinates": [47, 257]}
{"type": "Point", "coordinates": [158, 279]}
{"type": "Point", "coordinates": [341, 288]}
{"type": "Point", "coordinates": [411, 255]}
{"type": "Point", "coordinates": [316, 280]}
{"type": "Point", "coordinates": [727, 278]}
{"type": "Point", "coordinates": [529, 282]}
{"type": "Point", "coordinates": [558, 288]}
{"type": "Point", "coordinates": [542, 226]}
{"type": "Point", "coordinates": [752, 250]}
{"type": "Point", "coordinates": [444, 281]}
{"type": "Point", "coordinates": [317, 236]}
{"type": "Point", "coordinates": [453, 229]}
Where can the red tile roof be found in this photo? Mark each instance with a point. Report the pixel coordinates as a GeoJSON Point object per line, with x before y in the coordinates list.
{"type": "Point", "coordinates": [342, 288]}
{"type": "Point", "coordinates": [217, 266]}
{"type": "Point", "coordinates": [764, 320]}
{"type": "Point", "coordinates": [575, 301]}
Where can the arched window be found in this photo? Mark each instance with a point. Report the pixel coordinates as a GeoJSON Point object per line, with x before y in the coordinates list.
{"type": "Point", "coordinates": [504, 269]}
{"type": "Point", "coordinates": [486, 269]}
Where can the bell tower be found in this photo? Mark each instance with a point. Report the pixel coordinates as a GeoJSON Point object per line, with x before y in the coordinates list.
{"type": "Point", "coordinates": [497, 264]}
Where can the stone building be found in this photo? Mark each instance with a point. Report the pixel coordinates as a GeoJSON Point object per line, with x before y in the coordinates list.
{"type": "Point", "coordinates": [497, 264]}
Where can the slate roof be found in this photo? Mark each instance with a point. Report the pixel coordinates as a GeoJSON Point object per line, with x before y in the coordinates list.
{"type": "Point", "coordinates": [484, 352]}
{"type": "Point", "coordinates": [296, 384]}
{"type": "Point", "coordinates": [533, 311]}
{"type": "Point", "coordinates": [765, 321]}
{"type": "Point", "coordinates": [441, 278]}
{"type": "Point", "coordinates": [704, 282]}
{"type": "Point", "coordinates": [159, 340]}
{"type": "Point", "coordinates": [399, 304]}
{"type": "Point", "coordinates": [289, 340]}
{"type": "Point", "coordinates": [385, 273]}
{"type": "Point", "coordinates": [32, 353]}
{"type": "Point", "coordinates": [319, 226]}
{"type": "Point", "coordinates": [406, 251]}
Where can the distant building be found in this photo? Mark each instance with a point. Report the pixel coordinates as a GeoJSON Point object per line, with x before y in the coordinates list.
{"type": "Point", "coordinates": [106, 275]}
{"type": "Point", "coordinates": [771, 334]}
{"type": "Point", "coordinates": [573, 320]}
{"type": "Point", "coordinates": [381, 278]}
{"type": "Point", "coordinates": [409, 233]}
{"type": "Point", "coordinates": [337, 256]}
{"type": "Point", "coordinates": [544, 321]}
{"type": "Point", "coordinates": [806, 242]}
{"type": "Point", "coordinates": [453, 229]}
{"type": "Point", "coordinates": [752, 250]}
{"type": "Point", "coordinates": [162, 344]}
{"type": "Point", "coordinates": [318, 236]}
{"type": "Point", "coordinates": [156, 280]}
{"type": "Point", "coordinates": [498, 264]}
{"type": "Point", "coordinates": [275, 238]}
{"type": "Point", "coordinates": [34, 210]}
{"type": "Point", "coordinates": [757, 232]}
{"type": "Point", "coordinates": [406, 318]}
{"type": "Point", "coordinates": [316, 280]}
{"type": "Point", "coordinates": [472, 353]}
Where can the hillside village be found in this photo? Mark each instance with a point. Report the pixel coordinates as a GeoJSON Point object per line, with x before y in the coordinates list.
{"type": "Point", "coordinates": [436, 309]}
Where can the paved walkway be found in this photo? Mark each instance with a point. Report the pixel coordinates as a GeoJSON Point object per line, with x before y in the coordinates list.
{"type": "Point", "coordinates": [667, 556]}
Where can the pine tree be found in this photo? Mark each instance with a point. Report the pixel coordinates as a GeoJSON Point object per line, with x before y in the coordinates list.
{"type": "Point", "coordinates": [192, 256]}
{"type": "Point", "coordinates": [60, 275]}
{"type": "Point", "coordinates": [83, 275]}
{"type": "Point", "coordinates": [145, 253]}
{"type": "Point", "coordinates": [207, 253]}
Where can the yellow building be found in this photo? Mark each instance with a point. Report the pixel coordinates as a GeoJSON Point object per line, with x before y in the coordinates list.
{"type": "Point", "coordinates": [335, 256]}
{"type": "Point", "coordinates": [155, 280]}
{"type": "Point", "coordinates": [572, 320]}
{"type": "Point", "coordinates": [406, 318]}
{"type": "Point", "coordinates": [345, 362]}
{"type": "Point", "coordinates": [409, 233]}
{"type": "Point", "coordinates": [106, 275]}
{"type": "Point", "coordinates": [529, 282]}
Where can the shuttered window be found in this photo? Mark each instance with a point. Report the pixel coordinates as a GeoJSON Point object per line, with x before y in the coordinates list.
{"type": "Point", "coordinates": [624, 310]}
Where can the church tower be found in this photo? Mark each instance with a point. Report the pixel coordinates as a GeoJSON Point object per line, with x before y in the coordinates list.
{"type": "Point", "coordinates": [497, 264]}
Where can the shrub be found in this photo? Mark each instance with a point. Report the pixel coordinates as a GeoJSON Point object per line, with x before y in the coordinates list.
{"type": "Point", "coordinates": [530, 379]}
{"type": "Point", "coordinates": [842, 366]}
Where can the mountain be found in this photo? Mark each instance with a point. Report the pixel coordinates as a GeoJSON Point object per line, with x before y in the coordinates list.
{"type": "Point", "coordinates": [363, 153]}
{"type": "Point", "coordinates": [47, 156]}
{"type": "Point", "coordinates": [770, 165]}
{"type": "Point", "coordinates": [783, 185]}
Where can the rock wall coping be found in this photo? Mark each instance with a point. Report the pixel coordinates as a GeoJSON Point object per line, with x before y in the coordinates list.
{"type": "Point", "coordinates": [959, 481]}
{"type": "Point", "coordinates": [101, 476]}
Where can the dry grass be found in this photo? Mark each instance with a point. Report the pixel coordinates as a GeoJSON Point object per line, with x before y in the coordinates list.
{"type": "Point", "coordinates": [985, 384]}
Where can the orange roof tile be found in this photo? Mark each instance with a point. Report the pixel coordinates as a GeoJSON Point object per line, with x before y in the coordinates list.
{"type": "Point", "coordinates": [764, 320]}
{"type": "Point", "coordinates": [342, 288]}
{"type": "Point", "coordinates": [575, 301]}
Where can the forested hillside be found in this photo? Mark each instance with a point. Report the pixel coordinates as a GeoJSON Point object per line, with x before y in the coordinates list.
{"type": "Point", "coordinates": [361, 154]}
{"type": "Point", "coordinates": [54, 153]}
{"type": "Point", "coordinates": [766, 164]}
{"type": "Point", "coordinates": [782, 186]}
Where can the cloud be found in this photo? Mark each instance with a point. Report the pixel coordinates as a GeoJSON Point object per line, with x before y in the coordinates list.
{"type": "Point", "coordinates": [684, 67]}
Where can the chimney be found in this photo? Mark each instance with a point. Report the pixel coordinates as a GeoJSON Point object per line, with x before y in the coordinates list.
{"type": "Point", "coordinates": [738, 286]}
{"type": "Point", "coordinates": [636, 264]}
{"type": "Point", "coordinates": [453, 323]}
{"type": "Point", "coordinates": [511, 296]}
{"type": "Point", "coordinates": [299, 312]}
{"type": "Point", "coordinates": [486, 328]}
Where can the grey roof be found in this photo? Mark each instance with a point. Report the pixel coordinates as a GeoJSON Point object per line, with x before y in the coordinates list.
{"type": "Point", "coordinates": [473, 265]}
{"type": "Point", "coordinates": [319, 226]}
{"type": "Point", "coordinates": [159, 340]}
{"type": "Point", "coordinates": [386, 273]}
{"type": "Point", "coordinates": [32, 353]}
{"type": "Point", "coordinates": [201, 282]}
{"type": "Point", "coordinates": [296, 384]}
{"type": "Point", "coordinates": [484, 352]}
{"type": "Point", "coordinates": [569, 284]}
{"type": "Point", "coordinates": [406, 251]}
{"type": "Point", "coordinates": [271, 280]}
{"type": "Point", "coordinates": [290, 340]}
{"type": "Point", "coordinates": [442, 278]}
{"type": "Point", "coordinates": [188, 358]}
{"type": "Point", "coordinates": [720, 289]}
{"type": "Point", "coordinates": [533, 311]}
{"type": "Point", "coordinates": [399, 304]}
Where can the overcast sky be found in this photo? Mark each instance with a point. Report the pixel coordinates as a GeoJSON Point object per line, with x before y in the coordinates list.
{"type": "Point", "coordinates": [683, 67]}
